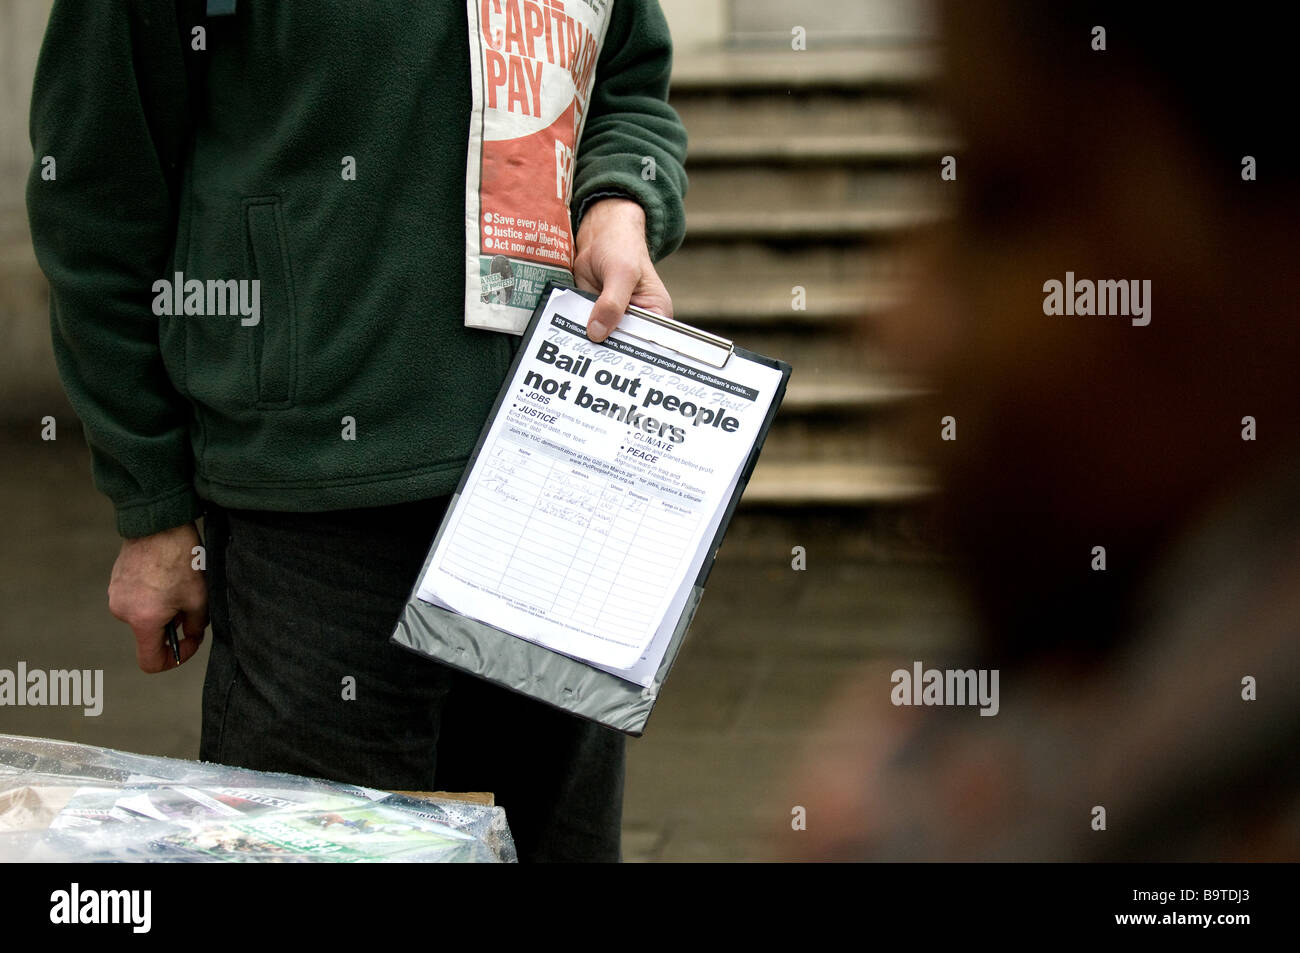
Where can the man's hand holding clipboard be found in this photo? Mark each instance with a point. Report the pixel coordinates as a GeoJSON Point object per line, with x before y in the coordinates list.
{"type": "Point", "coordinates": [612, 260]}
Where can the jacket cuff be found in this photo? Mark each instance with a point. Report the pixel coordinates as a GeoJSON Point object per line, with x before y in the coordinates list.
{"type": "Point", "coordinates": [661, 235]}
{"type": "Point", "coordinates": [177, 508]}
{"type": "Point", "coordinates": [596, 197]}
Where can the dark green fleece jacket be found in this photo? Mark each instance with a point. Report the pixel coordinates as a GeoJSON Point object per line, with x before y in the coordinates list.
{"type": "Point", "coordinates": [226, 163]}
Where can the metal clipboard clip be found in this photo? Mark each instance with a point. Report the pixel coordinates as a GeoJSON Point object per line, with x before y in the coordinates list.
{"type": "Point", "coordinates": [700, 345]}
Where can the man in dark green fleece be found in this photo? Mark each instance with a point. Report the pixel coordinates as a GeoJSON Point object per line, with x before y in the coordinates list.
{"type": "Point", "coordinates": [321, 416]}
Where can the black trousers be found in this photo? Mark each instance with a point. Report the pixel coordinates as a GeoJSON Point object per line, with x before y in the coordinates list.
{"type": "Point", "coordinates": [302, 679]}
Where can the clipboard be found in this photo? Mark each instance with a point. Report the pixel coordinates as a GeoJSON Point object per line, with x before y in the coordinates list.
{"type": "Point", "coordinates": [534, 670]}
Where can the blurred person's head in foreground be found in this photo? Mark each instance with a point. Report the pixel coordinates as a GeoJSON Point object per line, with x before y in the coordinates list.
{"type": "Point", "coordinates": [1126, 688]}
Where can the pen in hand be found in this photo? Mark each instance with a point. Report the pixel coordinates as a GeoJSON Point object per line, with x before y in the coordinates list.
{"type": "Point", "coordinates": [173, 639]}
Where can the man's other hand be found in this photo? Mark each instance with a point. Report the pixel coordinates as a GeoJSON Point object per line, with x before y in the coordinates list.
{"type": "Point", "coordinates": [153, 582]}
{"type": "Point", "coordinates": [613, 261]}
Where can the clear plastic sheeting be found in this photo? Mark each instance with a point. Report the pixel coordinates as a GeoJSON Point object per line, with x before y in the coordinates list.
{"type": "Point", "coordinates": [61, 801]}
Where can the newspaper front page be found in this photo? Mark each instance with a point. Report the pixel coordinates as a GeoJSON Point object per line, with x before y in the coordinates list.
{"type": "Point", "coordinates": [533, 68]}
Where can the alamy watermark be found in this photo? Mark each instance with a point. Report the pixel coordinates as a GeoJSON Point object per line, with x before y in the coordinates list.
{"type": "Point", "coordinates": [56, 687]}
{"type": "Point", "coordinates": [130, 907]}
{"type": "Point", "coordinates": [932, 686]}
{"type": "Point", "coordinates": [181, 296]}
{"type": "Point", "coordinates": [1106, 297]}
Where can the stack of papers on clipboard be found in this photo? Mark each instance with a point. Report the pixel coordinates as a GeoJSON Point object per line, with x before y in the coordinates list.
{"type": "Point", "coordinates": [586, 522]}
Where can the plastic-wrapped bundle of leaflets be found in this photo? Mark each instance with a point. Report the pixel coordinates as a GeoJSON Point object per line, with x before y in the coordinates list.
{"type": "Point", "coordinates": [61, 801]}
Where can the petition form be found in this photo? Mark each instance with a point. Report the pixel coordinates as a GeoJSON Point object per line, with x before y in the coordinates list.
{"type": "Point", "coordinates": [598, 489]}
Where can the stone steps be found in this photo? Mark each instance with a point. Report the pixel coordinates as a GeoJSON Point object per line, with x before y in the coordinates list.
{"type": "Point", "coordinates": [810, 126]}
{"type": "Point", "coordinates": [822, 148]}
{"type": "Point", "coordinates": [844, 391]}
{"type": "Point", "coordinates": [861, 70]}
{"type": "Point", "coordinates": [806, 169]}
{"type": "Point", "coordinates": [836, 484]}
{"type": "Point", "coordinates": [807, 203]}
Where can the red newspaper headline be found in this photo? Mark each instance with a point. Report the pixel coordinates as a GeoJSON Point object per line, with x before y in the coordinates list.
{"type": "Point", "coordinates": [520, 35]}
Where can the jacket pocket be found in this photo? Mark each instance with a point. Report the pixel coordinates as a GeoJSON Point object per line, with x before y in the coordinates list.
{"type": "Point", "coordinates": [272, 342]}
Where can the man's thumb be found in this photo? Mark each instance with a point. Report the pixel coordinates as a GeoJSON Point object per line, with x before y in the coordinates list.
{"type": "Point", "coordinates": [611, 305]}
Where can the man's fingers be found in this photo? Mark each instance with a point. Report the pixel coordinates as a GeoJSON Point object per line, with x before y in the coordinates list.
{"type": "Point", "coordinates": [666, 307]}
{"type": "Point", "coordinates": [194, 621]}
{"type": "Point", "coordinates": [612, 303]}
{"type": "Point", "coordinates": [193, 624]}
{"type": "Point", "coordinates": [651, 293]}
{"type": "Point", "coordinates": [152, 653]}
{"type": "Point", "coordinates": [656, 301]}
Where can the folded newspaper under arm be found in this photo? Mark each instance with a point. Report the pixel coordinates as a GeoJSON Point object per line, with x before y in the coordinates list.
{"type": "Point", "coordinates": [574, 552]}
